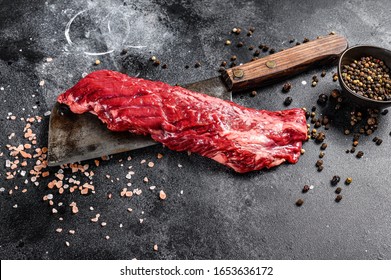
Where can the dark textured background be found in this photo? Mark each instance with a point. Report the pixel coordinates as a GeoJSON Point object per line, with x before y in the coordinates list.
{"type": "Point", "coordinates": [220, 215]}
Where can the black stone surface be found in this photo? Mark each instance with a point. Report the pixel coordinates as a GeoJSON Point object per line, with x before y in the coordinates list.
{"type": "Point", "coordinates": [220, 215]}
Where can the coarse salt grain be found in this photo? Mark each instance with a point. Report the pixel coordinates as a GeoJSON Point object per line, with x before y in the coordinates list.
{"type": "Point", "coordinates": [130, 209]}
{"type": "Point", "coordinates": [143, 161]}
{"type": "Point", "coordinates": [67, 243]}
{"type": "Point", "coordinates": [75, 209]}
{"type": "Point", "coordinates": [71, 231]}
{"type": "Point", "coordinates": [162, 195]}
{"type": "Point", "coordinates": [103, 224]}
{"type": "Point", "coordinates": [151, 164]}
{"type": "Point", "coordinates": [54, 211]}
{"type": "Point", "coordinates": [152, 188]}
{"type": "Point", "coordinates": [15, 206]}
{"type": "Point", "coordinates": [155, 247]}
{"type": "Point", "coordinates": [107, 237]}
{"type": "Point", "coordinates": [137, 191]}
{"type": "Point", "coordinates": [59, 230]}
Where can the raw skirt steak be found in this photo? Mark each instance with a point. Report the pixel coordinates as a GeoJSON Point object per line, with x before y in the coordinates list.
{"type": "Point", "coordinates": [242, 138]}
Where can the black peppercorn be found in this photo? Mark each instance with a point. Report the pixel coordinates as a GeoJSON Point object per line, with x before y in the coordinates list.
{"type": "Point", "coordinates": [306, 188]}
{"type": "Point", "coordinates": [335, 180]}
{"type": "Point", "coordinates": [253, 93]}
{"type": "Point", "coordinates": [379, 141]}
{"type": "Point", "coordinates": [323, 146]}
{"type": "Point", "coordinates": [338, 198]}
{"type": "Point", "coordinates": [287, 87]}
{"type": "Point", "coordinates": [322, 99]}
{"type": "Point", "coordinates": [197, 64]}
{"type": "Point", "coordinates": [360, 154]}
{"type": "Point", "coordinates": [299, 202]}
{"type": "Point", "coordinates": [319, 162]}
{"type": "Point", "coordinates": [288, 101]}
{"type": "Point", "coordinates": [320, 137]}
{"type": "Point", "coordinates": [338, 190]}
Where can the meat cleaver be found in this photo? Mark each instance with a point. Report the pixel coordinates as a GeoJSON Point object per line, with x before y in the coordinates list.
{"type": "Point", "coordinates": [74, 137]}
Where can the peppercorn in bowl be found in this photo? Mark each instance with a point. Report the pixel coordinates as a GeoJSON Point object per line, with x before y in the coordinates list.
{"type": "Point", "coordinates": [364, 76]}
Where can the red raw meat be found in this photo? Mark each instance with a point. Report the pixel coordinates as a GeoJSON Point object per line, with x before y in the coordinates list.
{"type": "Point", "coordinates": [242, 138]}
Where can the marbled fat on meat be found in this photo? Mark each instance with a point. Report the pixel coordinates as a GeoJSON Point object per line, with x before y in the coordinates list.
{"type": "Point", "coordinates": [242, 138]}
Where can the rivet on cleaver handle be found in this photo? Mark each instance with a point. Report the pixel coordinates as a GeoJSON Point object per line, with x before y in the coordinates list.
{"type": "Point", "coordinates": [285, 63]}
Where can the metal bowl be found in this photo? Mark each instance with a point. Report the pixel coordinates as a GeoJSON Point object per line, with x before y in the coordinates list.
{"type": "Point", "coordinates": [355, 53]}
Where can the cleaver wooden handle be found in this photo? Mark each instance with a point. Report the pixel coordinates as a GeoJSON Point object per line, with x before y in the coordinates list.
{"type": "Point", "coordinates": [285, 63]}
